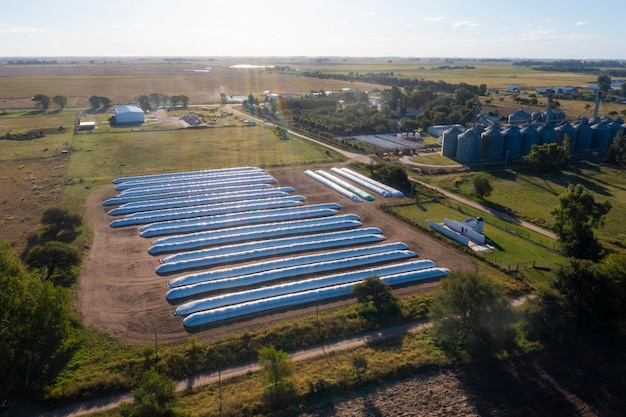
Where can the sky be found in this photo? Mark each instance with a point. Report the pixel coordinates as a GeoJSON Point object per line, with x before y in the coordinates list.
{"type": "Point", "coordinates": [545, 29]}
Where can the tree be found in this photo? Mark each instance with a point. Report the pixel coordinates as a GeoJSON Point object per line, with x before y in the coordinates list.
{"type": "Point", "coordinates": [548, 157]}
{"type": "Point", "coordinates": [223, 98]}
{"type": "Point", "coordinates": [154, 396]}
{"type": "Point", "coordinates": [377, 294]}
{"type": "Point", "coordinates": [590, 294]}
{"type": "Point", "coordinates": [470, 314]}
{"type": "Point", "coordinates": [604, 83]}
{"type": "Point", "coordinates": [175, 100]}
{"type": "Point", "coordinates": [575, 217]}
{"type": "Point", "coordinates": [59, 224]}
{"type": "Point", "coordinates": [617, 152]}
{"type": "Point", "coordinates": [481, 186]}
{"type": "Point", "coordinates": [60, 101]}
{"type": "Point", "coordinates": [144, 102]}
{"type": "Point", "coordinates": [545, 318]}
{"type": "Point", "coordinates": [106, 102]}
{"type": "Point", "coordinates": [94, 101]}
{"type": "Point", "coordinates": [359, 362]}
{"type": "Point", "coordinates": [42, 101]}
{"type": "Point", "coordinates": [34, 321]}
{"type": "Point", "coordinates": [184, 100]}
{"type": "Point", "coordinates": [277, 369]}
{"type": "Point", "coordinates": [52, 257]}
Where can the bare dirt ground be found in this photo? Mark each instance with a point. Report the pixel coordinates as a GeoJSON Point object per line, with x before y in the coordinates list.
{"type": "Point", "coordinates": [121, 295]}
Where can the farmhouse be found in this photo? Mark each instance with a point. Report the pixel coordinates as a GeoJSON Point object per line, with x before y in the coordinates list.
{"type": "Point", "coordinates": [128, 114]}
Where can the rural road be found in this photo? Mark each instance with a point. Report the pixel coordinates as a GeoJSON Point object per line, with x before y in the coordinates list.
{"type": "Point", "coordinates": [103, 404]}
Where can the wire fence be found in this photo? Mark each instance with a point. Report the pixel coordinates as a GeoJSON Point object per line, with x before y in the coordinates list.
{"type": "Point", "coordinates": [518, 231]}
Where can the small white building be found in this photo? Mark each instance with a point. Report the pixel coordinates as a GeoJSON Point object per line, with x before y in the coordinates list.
{"type": "Point", "coordinates": [129, 113]}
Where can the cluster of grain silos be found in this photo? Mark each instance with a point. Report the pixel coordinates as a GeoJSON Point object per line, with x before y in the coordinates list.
{"type": "Point", "coordinates": [241, 246]}
{"type": "Point", "coordinates": [516, 139]}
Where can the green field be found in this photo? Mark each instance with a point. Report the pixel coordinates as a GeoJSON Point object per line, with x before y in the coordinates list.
{"type": "Point", "coordinates": [514, 247]}
{"type": "Point", "coordinates": [532, 196]}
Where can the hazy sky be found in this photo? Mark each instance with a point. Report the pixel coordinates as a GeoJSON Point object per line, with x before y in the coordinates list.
{"type": "Point", "coordinates": [433, 28]}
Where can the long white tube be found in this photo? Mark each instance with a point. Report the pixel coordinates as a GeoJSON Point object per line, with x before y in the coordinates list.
{"type": "Point", "coordinates": [180, 202]}
{"type": "Point", "coordinates": [241, 270]}
{"type": "Point", "coordinates": [356, 190]}
{"type": "Point", "coordinates": [117, 200]}
{"type": "Point", "coordinates": [379, 190]}
{"type": "Point", "coordinates": [236, 219]}
{"type": "Point", "coordinates": [236, 297]}
{"type": "Point", "coordinates": [393, 191]}
{"type": "Point", "coordinates": [185, 173]}
{"type": "Point", "coordinates": [206, 211]}
{"type": "Point", "coordinates": [193, 244]}
{"type": "Point", "coordinates": [333, 186]}
{"type": "Point", "coordinates": [210, 234]}
{"type": "Point", "coordinates": [197, 184]}
{"type": "Point", "coordinates": [175, 267]}
{"type": "Point", "coordinates": [185, 178]}
{"type": "Point", "coordinates": [268, 243]}
{"type": "Point", "coordinates": [208, 317]}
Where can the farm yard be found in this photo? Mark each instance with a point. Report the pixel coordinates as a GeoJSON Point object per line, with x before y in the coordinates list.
{"type": "Point", "coordinates": [127, 299]}
{"type": "Point", "coordinates": [139, 281]}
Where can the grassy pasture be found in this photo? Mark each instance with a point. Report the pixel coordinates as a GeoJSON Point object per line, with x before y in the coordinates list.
{"type": "Point", "coordinates": [532, 196]}
{"type": "Point", "coordinates": [513, 247]}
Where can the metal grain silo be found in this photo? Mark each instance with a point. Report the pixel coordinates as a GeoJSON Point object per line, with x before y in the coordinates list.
{"type": "Point", "coordinates": [536, 117]}
{"type": "Point", "coordinates": [546, 134]}
{"type": "Point", "coordinates": [519, 117]}
{"type": "Point", "coordinates": [600, 136]}
{"type": "Point", "coordinates": [468, 147]}
{"type": "Point", "coordinates": [565, 129]}
{"type": "Point", "coordinates": [450, 138]}
{"type": "Point", "coordinates": [512, 142]}
{"type": "Point", "coordinates": [558, 116]}
{"type": "Point", "coordinates": [491, 143]}
{"type": "Point", "coordinates": [616, 127]}
{"type": "Point", "coordinates": [583, 136]}
{"type": "Point", "coordinates": [530, 137]}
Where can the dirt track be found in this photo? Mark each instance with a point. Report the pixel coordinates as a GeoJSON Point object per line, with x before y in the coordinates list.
{"type": "Point", "coordinates": [122, 296]}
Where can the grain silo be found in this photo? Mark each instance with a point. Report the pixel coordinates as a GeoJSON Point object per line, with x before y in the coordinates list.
{"type": "Point", "coordinates": [491, 143]}
{"type": "Point", "coordinates": [565, 129]}
{"type": "Point", "coordinates": [546, 134]}
{"type": "Point", "coordinates": [616, 127]}
{"type": "Point", "coordinates": [519, 117]}
{"type": "Point", "coordinates": [536, 117]}
{"type": "Point", "coordinates": [450, 138]}
{"type": "Point", "coordinates": [512, 142]}
{"type": "Point", "coordinates": [468, 147]}
{"type": "Point", "coordinates": [600, 136]}
{"type": "Point", "coordinates": [583, 136]}
{"type": "Point", "coordinates": [529, 138]}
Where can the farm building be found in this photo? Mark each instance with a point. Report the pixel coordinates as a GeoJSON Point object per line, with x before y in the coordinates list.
{"type": "Point", "coordinates": [128, 114]}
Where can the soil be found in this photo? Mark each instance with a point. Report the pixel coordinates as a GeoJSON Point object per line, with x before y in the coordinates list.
{"type": "Point", "coordinates": [121, 295]}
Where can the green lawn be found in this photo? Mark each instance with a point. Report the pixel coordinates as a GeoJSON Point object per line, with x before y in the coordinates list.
{"type": "Point", "coordinates": [532, 196]}
{"type": "Point", "coordinates": [515, 248]}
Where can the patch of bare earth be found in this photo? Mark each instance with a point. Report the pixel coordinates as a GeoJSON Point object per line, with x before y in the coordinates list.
{"type": "Point", "coordinates": [121, 295]}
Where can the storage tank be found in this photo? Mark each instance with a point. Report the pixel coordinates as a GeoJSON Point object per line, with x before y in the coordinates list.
{"type": "Point", "coordinates": [616, 127]}
{"type": "Point", "coordinates": [529, 138]}
{"type": "Point", "coordinates": [546, 134]}
{"type": "Point", "coordinates": [583, 136]}
{"type": "Point", "coordinates": [491, 143]}
{"type": "Point", "coordinates": [519, 117]}
{"type": "Point", "coordinates": [558, 116]}
{"type": "Point", "coordinates": [565, 129]}
{"type": "Point", "coordinates": [449, 141]}
{"type": "Point", "coordinates": [468, 147]}
{"type": "Point", "coordinates": [600, 136]}
{"type": "Point", "coordinates": [536, 117]}
{"type": "Point", "coordinates": [512, 142]}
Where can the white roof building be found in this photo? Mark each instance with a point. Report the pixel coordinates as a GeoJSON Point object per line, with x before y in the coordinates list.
{"type": "Point", "coordinates": [129, 113]}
